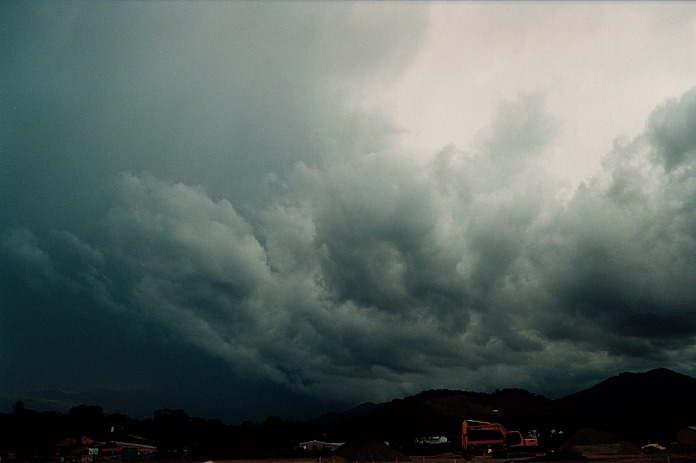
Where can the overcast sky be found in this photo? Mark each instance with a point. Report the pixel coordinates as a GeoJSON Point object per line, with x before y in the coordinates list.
{"type": "Point", "coordinates": [243, 209]}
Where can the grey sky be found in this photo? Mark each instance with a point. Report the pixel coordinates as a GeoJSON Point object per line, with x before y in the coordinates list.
{"type": "Point", "coordinates": [233, 208]}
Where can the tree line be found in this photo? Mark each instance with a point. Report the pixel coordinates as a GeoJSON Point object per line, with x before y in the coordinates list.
{"type": "Point", "coordinates": [29, 435]}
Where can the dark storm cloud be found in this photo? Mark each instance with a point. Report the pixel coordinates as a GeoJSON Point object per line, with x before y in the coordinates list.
{"type": "Point", "coordinates": [204, 183]}
{"type": "Point", "coordinates": [670, 129]}
{"type": "Point", "coordinates": [376, 276]}
{"type": "Point", "coordinates": [620, 261]}
{"type": "Point", "coordinates": [226, 95]}
{"type": "Point", "coordinates": [221, 94]}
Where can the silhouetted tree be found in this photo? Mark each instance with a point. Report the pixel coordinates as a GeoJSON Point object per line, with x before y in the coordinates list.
{"type": "Point", "coordinates": [172, 431]}
{"type": "Point", "coordinates": [18, 407]}
{"type": "Point", "coordinates": [87, 420]}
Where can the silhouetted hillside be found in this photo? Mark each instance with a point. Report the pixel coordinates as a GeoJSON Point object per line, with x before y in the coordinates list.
{"type": "Point", "coordinates": [361, 410]}
{"type": "Point", "coordinates": [634, 406]}
{"type": "Point", "coordinates": [437, 413]}
{"type": "Point", "coordinates": [637, 407]}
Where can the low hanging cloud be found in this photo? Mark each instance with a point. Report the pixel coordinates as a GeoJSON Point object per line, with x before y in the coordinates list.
{"type": "Point", "coordinates": [374, 276]}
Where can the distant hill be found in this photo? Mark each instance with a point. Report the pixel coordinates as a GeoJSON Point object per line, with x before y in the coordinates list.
{"type": "Point", "coordinates": [361, 410]}
{"type": "Point", "coordinates": [638, 407]}
{"type": "Point", "coordinates": [634, 406]}
{"type": "Point", "coordinates": [435, 413]}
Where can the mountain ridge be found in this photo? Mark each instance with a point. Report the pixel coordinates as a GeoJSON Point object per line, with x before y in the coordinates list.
{"type": "Point", "coordinates": [640, 408]}
{"type": "Point", "coordinates": [645, 406]}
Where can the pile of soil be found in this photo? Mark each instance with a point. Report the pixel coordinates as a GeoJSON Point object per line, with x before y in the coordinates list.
{"type": "Point", "coordinates": [591, 437]}
{"type": "Point", "coordinates": [367, 451]}
{"type": "Point", "coordinates": [593, 442]}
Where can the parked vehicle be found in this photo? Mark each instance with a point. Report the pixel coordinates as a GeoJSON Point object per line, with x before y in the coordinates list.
{"type": "Point", "coordinates": [484, 438]}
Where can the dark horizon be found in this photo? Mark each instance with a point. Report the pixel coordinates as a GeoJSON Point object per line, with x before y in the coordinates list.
{"type": "Point", "coordinates": [612, 412]}
{"type": "Point", "coordinates": [349, 409]}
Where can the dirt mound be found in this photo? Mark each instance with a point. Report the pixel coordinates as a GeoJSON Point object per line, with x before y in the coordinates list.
{"type": "Point", "coordinates": [333, 459]}
{"type": "Point", "coordinates": [593, 442]}
{"type": "Point", "coordinates": [562, 455]}
{"type": "Point", "coordinates": [592, 437]}
{"type": "Point", "coordinates": [368, 451]}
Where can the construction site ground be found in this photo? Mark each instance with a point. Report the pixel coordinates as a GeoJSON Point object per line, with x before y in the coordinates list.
{"type": "Point", "coordinates": [668, 457]}
{"type": "Point", "coordinates": [590, 457]}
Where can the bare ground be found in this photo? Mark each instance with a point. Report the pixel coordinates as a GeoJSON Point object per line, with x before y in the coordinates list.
{"type": "Point", "coordinates": [667, 457]}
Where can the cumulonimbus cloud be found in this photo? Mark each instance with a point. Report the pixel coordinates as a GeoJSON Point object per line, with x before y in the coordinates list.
{"type": "Point", "coordinates": [374, 276]}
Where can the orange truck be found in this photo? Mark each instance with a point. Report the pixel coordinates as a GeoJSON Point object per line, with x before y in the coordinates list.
{"type": "Point", "coordinates": [484, 438]}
